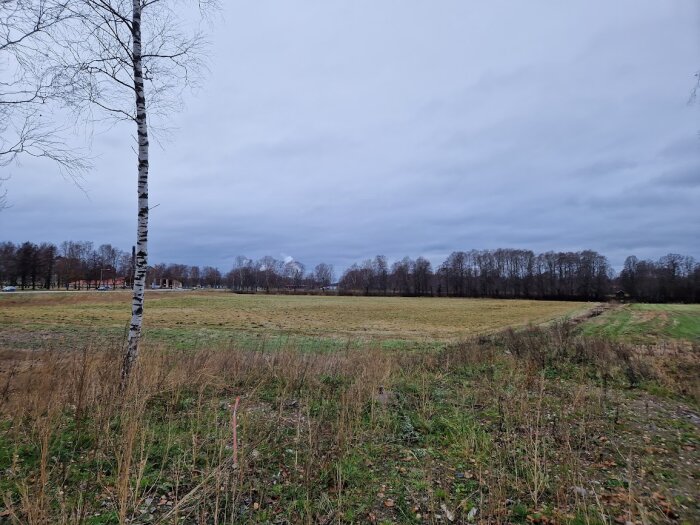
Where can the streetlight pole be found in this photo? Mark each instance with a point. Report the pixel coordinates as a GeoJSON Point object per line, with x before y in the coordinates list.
{"type": "Point", "coordinates": [102, 270]}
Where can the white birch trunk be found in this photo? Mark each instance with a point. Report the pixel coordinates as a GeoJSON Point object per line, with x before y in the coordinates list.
{"type": "Point", "coordinates": [141, 263]}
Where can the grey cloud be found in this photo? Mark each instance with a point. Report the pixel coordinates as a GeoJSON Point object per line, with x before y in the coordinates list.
{"type": "Point", "coordinates": [685, 147]}
{"type": "Point", "coordinates": [683, 177]}
{"type": "Point", "coordinates": [606, 167]}
{"type": "Point", "coordinates": [339, 131]}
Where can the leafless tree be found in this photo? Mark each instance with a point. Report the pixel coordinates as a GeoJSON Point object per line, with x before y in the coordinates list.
{"type": "Point", "coordinates": [323, 275]}
{"type": "Point", "coordinates": [380, 266]}
{"type": "Point", "coordinates": [422, 273]}
{"type": "Point", "coordinates": [32, 88]}
{"type": "Point", "coordinates": [294, 272]}
{"type": "Point", "coordinates": [211, 277]}
{"type": "Point", "coordinates": [269, 268]}
{"type": "Point", "coordinates": [241, 273]}
{"type": "Point", "coordinates": [128, 61]}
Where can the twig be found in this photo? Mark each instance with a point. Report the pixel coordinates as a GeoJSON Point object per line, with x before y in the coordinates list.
{"type": "Point", "coordinates": [234, 425]}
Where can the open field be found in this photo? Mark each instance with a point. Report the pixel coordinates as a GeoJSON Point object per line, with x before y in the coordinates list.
{"type": "Point", "coordinates": [648, 323]}
{"type": "Point", "coordinates": [190, 319]}
{"type": "Point", "coordinates": [543, 425]}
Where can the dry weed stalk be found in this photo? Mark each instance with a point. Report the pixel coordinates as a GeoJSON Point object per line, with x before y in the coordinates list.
{"type": "Point", "coordinates": [327, 404]}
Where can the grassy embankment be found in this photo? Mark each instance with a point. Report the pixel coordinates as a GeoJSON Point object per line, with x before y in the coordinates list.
{"type": "Point", "coordinates": [534, 426]}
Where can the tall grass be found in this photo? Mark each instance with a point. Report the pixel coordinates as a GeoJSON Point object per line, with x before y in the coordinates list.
{"type": "Point", "coordinates": [502, 424]}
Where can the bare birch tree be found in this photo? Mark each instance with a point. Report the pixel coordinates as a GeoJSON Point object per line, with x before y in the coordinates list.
{"type": "Point", "coordinates": [129, 60]}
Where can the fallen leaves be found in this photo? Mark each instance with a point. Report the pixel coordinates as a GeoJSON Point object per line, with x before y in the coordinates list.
{"type": "Point", "coordinates": [448, 513]}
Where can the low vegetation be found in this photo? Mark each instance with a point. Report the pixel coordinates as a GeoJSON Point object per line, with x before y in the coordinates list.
{"type": "Point", "coordinates": [535, 425]}
{"type": "Point", "coordinates": [195, 319]}
{"type": "Point", "coordinates": [648, 323]}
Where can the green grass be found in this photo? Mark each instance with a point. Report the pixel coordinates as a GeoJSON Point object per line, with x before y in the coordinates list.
{"type": "Point", "coordinates": [648, 323]}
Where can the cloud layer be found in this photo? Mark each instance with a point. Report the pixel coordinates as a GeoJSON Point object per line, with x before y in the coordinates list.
{"type": "Point", "coordinates": [335, 131]}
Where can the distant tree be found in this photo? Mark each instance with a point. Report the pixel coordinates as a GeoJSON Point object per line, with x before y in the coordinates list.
{"type": "Point", "coordinates": [442, 278]}
{"type": "Point", "coordinates": [546, 274]}
{"type": "Point", "coordinates": [628, 275]}
{"type": "Point", "coordinates": [351, 280]}
{"type": "Point", "coordinates": [592, 275]}
{"type": "Point", "coordinates": [8, 263]}
{"type": "Point", "coordinates": [401, 273]}
{"type": "Point", "coordinates": [46, 261]}
{"type": "Point", "coordinates": [26, 264]}
{"type": "Point", "coordinates": [323, 275]}
{"type": "Point", "coordinates": [177, 272]}
{"type": "Point", "coordinates": [211, 277]}
{"type": "Point", "coordinates": [422, 276]}
{"type": "Point", "coordinates": [108, 257]}
{"type": "Point", "coordinates": [270, 270]}
{"type": "Point", "coordinates": [73, 266]}
{"type": "Point", "coordinates": [380, 267]}
{"type": "Point", "coordinates": [243, 274]}
{"type": "Point", "coordinates": [124, 267]}
{"type": "Point", "coordinates": [293, 271]}
{"type": "Point", "coordinates": [674, 272]}
{"type": "Point", "coordinates": [195, 276]}
{"type": "Point", "coordinates": [456, 273]}
{"type": "Point", "coordinates": [368, 278]}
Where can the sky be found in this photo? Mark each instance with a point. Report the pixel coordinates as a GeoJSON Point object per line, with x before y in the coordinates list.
{"type": "Point", "coordinates": [335, 131]}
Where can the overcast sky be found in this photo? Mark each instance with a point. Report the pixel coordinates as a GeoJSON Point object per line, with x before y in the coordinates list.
{"type": "Point", "coordinates": [338, 130]}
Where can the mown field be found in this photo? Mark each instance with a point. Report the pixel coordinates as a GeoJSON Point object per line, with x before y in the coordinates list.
{"type": "Point", "coordinates": [191, 319]}
{"type": "Point", "coordinates": [648, 323]}
{"type": "Point", "coordinates": [352, 410]}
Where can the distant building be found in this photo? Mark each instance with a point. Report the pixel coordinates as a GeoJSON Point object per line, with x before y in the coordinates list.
{"type": "Point", "coordinates": [119, 282]}
{"type": "Point", "coordinates": [167, 284]}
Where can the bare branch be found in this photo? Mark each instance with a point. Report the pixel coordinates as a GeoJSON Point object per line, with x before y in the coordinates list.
{"type": "Point", "coordinates": [32, 87]}
{"type": "Point", "coordinates": [695, 90]}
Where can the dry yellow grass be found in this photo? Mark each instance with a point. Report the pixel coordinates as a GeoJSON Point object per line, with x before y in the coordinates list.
{"type": "Point", "coordinates": [411, 319]}
{"type": "Point", "coordinates": [531, 426]}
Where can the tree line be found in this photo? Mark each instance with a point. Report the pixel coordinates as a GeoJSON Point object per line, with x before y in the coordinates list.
{"type": "Point", "coordinates": [511, 273]}
{"type": "Point", "coordinates": [71, 264]}
{"type": "Point", "coordinates": [80, 265]}
{"type": "Point", "coordinates": [504, 273]}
